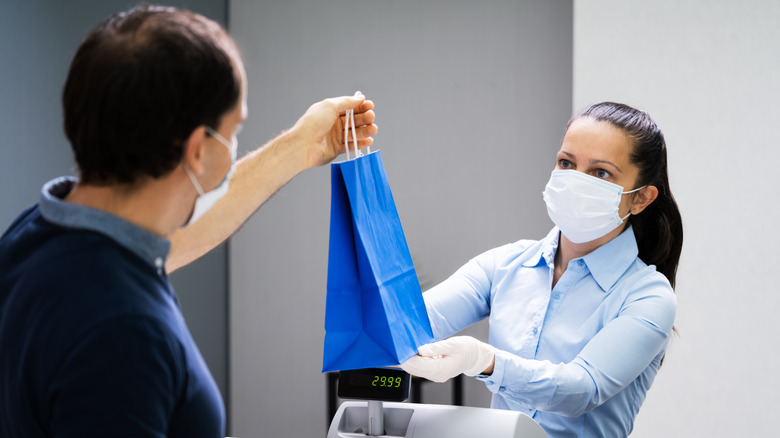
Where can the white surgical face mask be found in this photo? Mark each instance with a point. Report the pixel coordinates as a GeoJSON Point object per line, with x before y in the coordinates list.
{"type": "Point", "coordinates": [207, 200]}
{"type": "Point", "coordinates": [583, 207]}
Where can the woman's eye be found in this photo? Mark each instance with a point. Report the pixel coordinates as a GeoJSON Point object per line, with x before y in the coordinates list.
{"type": "Point", "coordinates": [565, 164]}
{"type": "Point", "coordinates": [601, 173]}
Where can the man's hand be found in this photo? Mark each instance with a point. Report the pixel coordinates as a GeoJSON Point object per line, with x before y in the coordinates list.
{"type": "Point", "coordinates": [443, 360]}
{"type": "Point", "coordinates": [321, 129]}
{"type": "Point", "coordinates": [315, 139]}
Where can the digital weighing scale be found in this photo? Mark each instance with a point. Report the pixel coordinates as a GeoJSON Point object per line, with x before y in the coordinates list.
{"type": "Point", "coordinates": [380, 412]}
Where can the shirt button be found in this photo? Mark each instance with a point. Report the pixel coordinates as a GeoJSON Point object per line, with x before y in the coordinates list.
{"type": "Point", "coordinates": [536, 330]}
{"type": "Point", "coordinates": [502, 389]}
{"type": "Point", "coordinates": [556, 295]}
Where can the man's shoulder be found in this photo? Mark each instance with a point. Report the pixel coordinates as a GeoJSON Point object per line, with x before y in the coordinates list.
{"type": "Point", "coordinates": [31, 235]}
{"type": "Point", "coordinates": [26, 215]}
{"type": "Point", "coordinates": [76, 285]}
{"type": "Point", "coordinates": [43, 252]}
{"type": "Point", "coordinates": [57, 268]}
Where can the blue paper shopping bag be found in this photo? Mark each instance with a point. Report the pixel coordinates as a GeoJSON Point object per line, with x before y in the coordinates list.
{"type": "Point", "coordinates": [375, 315]}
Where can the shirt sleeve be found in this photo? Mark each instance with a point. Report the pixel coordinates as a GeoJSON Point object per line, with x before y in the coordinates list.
{"type": "Point", "coordinates": [608, 363]}
{"type": "Point", "coordinates": [463, 299]}
{"type": "Point", "coordinates": [121, 381]}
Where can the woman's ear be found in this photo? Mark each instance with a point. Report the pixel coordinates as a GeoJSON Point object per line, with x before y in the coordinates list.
{"type": "Point", "coordinates": [643, 198]}
{"type": "Point", "coordinates": [194, 153]}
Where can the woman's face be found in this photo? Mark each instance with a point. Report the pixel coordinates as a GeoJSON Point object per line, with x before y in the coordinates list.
{"type": "Point", "coordinates": [601, 150]}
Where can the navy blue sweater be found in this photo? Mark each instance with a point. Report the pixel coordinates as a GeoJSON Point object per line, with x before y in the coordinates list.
{"type": "Point", "coordinates": [92, 340]}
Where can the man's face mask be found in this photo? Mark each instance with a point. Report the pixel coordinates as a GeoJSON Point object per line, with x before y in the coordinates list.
{"type": "Point", "coordinates": [207, 200]}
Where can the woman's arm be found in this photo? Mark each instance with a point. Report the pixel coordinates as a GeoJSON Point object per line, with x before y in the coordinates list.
{"type": "Point", "coordinates": [608, 363]}
{"type": "Point", "coordinates": [462, 299]}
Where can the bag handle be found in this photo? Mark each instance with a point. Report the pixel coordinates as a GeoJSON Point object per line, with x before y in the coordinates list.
{"type": "Point", "coordinates": [349, 118]}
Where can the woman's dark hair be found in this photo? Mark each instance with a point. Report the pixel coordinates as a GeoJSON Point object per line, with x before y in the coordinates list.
{"type": "Point", "coordinates": [140, 83]}
{"type": "Point", "coordinates": [658, 229]}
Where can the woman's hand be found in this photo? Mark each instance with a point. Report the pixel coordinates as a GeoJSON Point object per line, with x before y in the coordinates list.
{"type": "Point", "coordinates": [443, 360]}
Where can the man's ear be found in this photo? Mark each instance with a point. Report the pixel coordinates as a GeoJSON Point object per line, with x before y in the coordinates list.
{"type": "Point", "coordinates": [194, 153]}
{"type": "Point", "coordinates": [644, 197]}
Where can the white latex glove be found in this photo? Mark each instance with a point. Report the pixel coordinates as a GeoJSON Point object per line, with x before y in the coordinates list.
{"type": "Point", "coordinates": [443, 360]}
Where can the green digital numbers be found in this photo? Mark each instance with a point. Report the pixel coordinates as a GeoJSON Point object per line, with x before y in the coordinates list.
{"type": "Point", "coordinates": [387, 382]}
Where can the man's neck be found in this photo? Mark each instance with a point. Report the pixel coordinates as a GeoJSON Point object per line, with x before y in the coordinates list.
{"type": "Point", "coordinates": [147, 205]}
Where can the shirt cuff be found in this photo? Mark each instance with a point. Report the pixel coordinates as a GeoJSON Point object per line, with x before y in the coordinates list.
{"type": "Point", "coordinates": [496, 381]}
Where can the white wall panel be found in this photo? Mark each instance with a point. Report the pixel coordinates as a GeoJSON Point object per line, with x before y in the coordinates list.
{"type": "Point", "coordinates": [707, 71]}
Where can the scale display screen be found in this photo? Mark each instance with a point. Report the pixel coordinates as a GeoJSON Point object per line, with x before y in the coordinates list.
{"type": "Point", "coordinates": [385, 384]}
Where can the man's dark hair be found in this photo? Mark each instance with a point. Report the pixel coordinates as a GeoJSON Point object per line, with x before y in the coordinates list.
{"type": "Point", "coordinates": [140, 83]}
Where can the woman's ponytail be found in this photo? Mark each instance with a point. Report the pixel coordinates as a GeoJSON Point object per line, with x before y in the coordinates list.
{"type": "Point", "coordinates": [658, 229]}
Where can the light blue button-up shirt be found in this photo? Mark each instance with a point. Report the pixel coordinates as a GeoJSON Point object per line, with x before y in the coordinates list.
{"type": "Point", "coordinates": [579, 357]}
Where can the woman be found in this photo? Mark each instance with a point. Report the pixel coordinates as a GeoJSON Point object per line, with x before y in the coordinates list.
{"type": "Point", "coordinates": [580, 320]}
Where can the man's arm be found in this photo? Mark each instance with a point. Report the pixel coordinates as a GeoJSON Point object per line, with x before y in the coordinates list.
{"type": "Point", "coordinates": [315, 139]}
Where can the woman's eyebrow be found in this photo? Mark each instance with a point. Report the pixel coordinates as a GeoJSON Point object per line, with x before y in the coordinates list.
{"type": "Point", "coordinates": [592, 162]}
{"type": "Point", "coordinates": [607, 162]}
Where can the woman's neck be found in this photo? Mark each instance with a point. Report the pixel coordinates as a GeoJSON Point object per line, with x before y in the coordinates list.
{"type": "Point", "coordinates": [568, 251]}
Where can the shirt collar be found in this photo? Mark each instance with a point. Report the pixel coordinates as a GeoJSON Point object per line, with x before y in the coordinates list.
{"type": "Point", "coordinates": [611, 260]}
{"type": "Point", "coordinates": [148, 246]}
{"type": "Point", "coordinates": [607, 263]}
{"type": "Point", "coordinates": [545, 250]}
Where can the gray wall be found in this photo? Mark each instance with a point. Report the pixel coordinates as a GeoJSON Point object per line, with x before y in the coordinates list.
{"type": "Point", "coordinates": [707, 70]}
{"type": "Point", "coordinates": [471, 98]}
{"type": "Point", "coordinates": [37, 42]}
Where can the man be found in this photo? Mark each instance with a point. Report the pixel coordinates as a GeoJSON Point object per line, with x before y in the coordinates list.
{"type": "Point", "coordinates": [92, 341]}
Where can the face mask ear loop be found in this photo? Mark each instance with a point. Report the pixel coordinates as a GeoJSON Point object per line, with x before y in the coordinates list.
{"type": "Point", "coordinates": [231, 146]}
{"type": "Point", "coordinates": [635, 190]}
{"type": "Point", "coordinates": [625, 193]}
{"type": "Point", "coordinates": [194, 180]}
